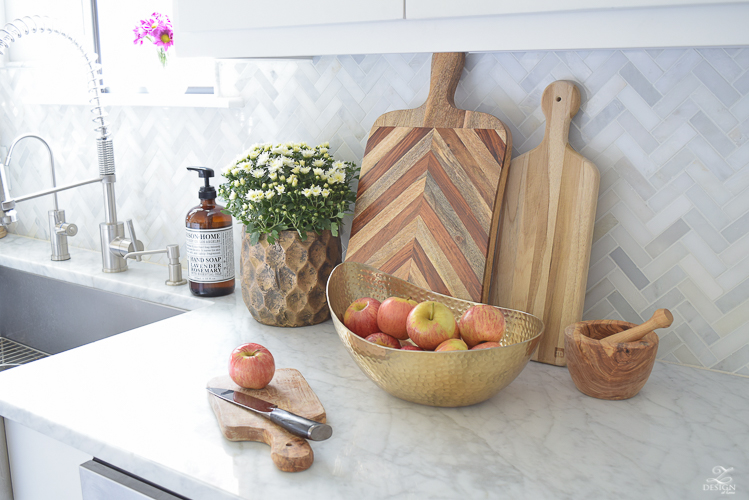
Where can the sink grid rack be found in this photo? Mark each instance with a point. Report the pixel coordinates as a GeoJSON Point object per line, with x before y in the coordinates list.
{"type": "Point", "coordinates": [13, 354]}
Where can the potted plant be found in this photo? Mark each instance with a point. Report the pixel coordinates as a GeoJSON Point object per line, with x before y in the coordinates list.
{"type": "Point", "coordinates": [291, 199]}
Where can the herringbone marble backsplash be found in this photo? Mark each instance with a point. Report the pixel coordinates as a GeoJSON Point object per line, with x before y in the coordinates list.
{"type": "Point", "coordinates": [667, 129]}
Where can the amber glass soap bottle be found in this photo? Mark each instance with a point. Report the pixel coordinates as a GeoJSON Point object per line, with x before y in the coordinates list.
{"type": "Point", "coordinates": [209, 243]}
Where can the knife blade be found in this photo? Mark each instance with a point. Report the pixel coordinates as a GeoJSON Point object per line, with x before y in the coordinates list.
{"type": "Point", "coordinates": [299, 426]}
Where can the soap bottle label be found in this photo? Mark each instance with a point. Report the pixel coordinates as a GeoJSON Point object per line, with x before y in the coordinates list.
{"type": "Point", "coordinates": [210, 255]}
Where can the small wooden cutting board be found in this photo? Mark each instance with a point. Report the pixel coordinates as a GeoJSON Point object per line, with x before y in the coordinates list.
{"type": "Point", "coordinates": [546, 230]}
{"type": "Point", "coordinates": [431, 183]}
{"type": "Point", "coordinates": [289, 391]}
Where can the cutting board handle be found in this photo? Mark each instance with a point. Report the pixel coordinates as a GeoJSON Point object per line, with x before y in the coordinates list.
{"type": "Point", "coordinates": [560, 102]}
{"type": "Point", "coordinates": [446, 70]}
{"type": "Point", "coordinates": [289, 453]}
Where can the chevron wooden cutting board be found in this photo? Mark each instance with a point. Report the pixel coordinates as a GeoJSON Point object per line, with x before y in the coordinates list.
{"type": "Point", "coordinates": [547, 227]}
{"type": "Point", "coordinates": [430, 189]}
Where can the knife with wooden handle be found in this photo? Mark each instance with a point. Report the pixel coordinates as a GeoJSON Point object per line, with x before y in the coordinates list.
{"type": "Point", "coordinates": [299, 426]}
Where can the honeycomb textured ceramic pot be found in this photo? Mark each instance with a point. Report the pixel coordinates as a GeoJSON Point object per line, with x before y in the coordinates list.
{"type": "Point", "coordinates": [284, 284]}
{"type": "Point", "coordinates": [451, 378]}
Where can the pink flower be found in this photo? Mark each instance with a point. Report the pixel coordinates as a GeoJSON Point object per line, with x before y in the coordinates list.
{"type": "Point", "coordinates": [164, 37]}
{"type": "Point", "coordinates": [157, 29]}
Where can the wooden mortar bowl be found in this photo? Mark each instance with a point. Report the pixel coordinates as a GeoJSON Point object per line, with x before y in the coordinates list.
{"type": "Point", "coordinates": [618, 372]}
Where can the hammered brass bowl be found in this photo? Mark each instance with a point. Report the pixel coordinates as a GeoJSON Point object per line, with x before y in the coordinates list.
{"type": "Point", "coordinates": [450, 378]}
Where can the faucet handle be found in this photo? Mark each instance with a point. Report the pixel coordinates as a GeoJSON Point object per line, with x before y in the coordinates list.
{"type": "Point", "coordinates": [137, 245]}
{"type": "Point", "coordinates": [66, 228]}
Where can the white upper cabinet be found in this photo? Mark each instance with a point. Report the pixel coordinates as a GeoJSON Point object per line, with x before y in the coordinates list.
{"type": "Point", "coordinates": [433, 9]}
{"type": "Point", "coordinates": [200, 15]}
{"type": "Point", "coordinates": [288, 28]}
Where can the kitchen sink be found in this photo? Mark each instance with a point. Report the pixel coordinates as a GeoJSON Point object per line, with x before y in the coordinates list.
{"type": "Point", "coordinates": [40, 316]}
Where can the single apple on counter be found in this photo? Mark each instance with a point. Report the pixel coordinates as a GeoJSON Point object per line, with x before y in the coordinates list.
{"type": "Point", "coordinates": [384, 340]}
{"type": "Point", "coordinates": [361, 316]}
{"type": "Point", "coordinates": [452, 345]}
{"type": "Point", "coordinates": [431, 323]}
{"type": "Point", "coordinates": [409, 347]}
{"type": "Point", "coordinates": [482, 323]}
{"type": "Point", "coordinates": [391, 318]}
{"type": "Point", "coordinates": [485, 345]}
{"type": "Point", "coordinates": [251, 366]}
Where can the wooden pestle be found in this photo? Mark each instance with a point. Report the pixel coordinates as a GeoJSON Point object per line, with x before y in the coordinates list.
{"type": "Point", "coordinates": [662, 318]}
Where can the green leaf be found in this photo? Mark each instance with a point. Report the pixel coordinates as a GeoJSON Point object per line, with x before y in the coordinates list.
{"type": "Point", "coordinates": [254, 238]}
{"type": "Point", "coordinates": [334, 228]}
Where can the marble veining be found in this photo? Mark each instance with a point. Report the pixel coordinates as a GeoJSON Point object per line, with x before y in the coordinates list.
{"type": "Point", "coordinates": [538, 438]}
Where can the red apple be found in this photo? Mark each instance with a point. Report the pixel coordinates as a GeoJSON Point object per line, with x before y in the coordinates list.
{"type": "Point", "coordinates": [452, 345]}
{"type": "Point", "coordinates": [251, 366]}
{"type": "Point", "coordinates": [485, 345]}
{"type": "Point", "coordinates": [431, 323]}
{"type": "Point", "coordinates": [482, 323]}
{"type": "Point", "coordinates": [409, 347]}
{"type": "Point", "coordinates": [384, 340]}
{"type": "Point", "coordinates": [361, 316]}
{"type": "Point", "coordinates": [391, 318]}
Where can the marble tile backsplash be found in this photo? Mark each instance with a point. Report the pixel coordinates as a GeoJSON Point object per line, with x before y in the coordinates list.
{"type": "Point", "coordinates": [667, 129]}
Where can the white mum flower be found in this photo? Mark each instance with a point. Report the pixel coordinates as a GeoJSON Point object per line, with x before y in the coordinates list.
{"type": "Point", "coordinates": [254, 154]}
{"type": "Point", "coordinates": [269, 194]}
{"type": "Point", "coordinates": [233, 196]}
{"type": "Point", "coordinates": [236, 184]}
{"type": "Point", "coordinates": [258, 173]}
{"type": "Point", "coordinates": [226, 171]}
{"type": "Point", "coordinates": [235, 171]}
{"type": "Point", "coordinates": [242, 182]}
{"type": "Point", "coordinates": [325, 144]}
{"type": "Point", "coordinates": [305, 170]}
{"type": "Point", "coordinates": [280, 189]}
{"type": "Point", "coordinates": [291, 179]}
{"type": "Point", "coordinates": [295, 170]}
{"type": "Point", "coordinates": [318, 171]}
{"type": "Point", "coordinates": [316, 190]}
{"type": "Point", "coordinates": [281, 149]}
{"type": "Point", "coordinates": [325, 193]}
{"type": "Point", "coordinates": [273, 176]}
{"type": "Point", "coordinates": [318, 163]}
{"type": "Point", "coordinates": [275, 165]}
{"type": "Point", "coordinates": [339, 165]}
{"type": "Point", "coordinates": [307, 192]}
{"type": "Point", "coordinates": [287, 162]}
{"type": "Point", "coordinates": [323, 150]}
{"type": "Point", "coordinates": [308, 153]}
{"type": "Point", "coordinates": [263, 159]}
{"type": "Point", "coordinates": [254, 195]}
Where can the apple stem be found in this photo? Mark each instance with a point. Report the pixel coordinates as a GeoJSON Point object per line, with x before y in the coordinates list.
{"type": "Point", "coordinates": [431, 314]}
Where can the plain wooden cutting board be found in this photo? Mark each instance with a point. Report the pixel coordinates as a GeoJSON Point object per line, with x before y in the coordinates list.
{"type": "Point", "coordinates": [289, 391]}
{"type": "Point", "coordinates": [430, 187]}
{"type": "Point", "coordinates": [546, 230]}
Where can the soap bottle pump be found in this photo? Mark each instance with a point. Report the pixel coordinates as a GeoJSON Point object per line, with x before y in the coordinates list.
{"type": "Point", "coordinates": [209, 243]}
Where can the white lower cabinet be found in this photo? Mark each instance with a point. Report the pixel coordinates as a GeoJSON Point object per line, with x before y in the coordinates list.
{"type": "Point", "coordinates": [42, 468]}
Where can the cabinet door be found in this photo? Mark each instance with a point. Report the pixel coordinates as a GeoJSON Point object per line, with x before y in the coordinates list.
{"type": "Point", "coordinates": [199, 15]}
{"type": "Point", "coordinates": [99, 482]}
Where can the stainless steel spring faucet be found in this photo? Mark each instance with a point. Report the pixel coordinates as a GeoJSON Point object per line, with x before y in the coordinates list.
{"type": "Point", "coordinates": [114, 245]}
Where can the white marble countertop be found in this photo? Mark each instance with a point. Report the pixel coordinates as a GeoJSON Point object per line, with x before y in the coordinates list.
{"type": "Point", "coordinates": [138, 401]}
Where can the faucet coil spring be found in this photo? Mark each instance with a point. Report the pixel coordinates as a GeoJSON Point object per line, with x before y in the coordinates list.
{"type": "Point", "coordinates": [28, 25]}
